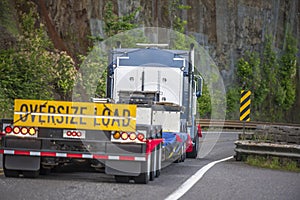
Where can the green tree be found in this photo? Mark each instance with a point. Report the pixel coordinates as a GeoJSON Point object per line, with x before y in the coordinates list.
{"type": "Point", "coordinates": [287, 74]}
{"type": "Point", "coordinates": [33, 69]}
{"type": "Point", "coordinates": [93, 72]}
{"type": "Point", "coordinates": [271, 78]}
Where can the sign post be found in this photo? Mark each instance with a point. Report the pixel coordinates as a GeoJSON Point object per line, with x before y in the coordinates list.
{"type": "Point", "coordinates": [245, 108]}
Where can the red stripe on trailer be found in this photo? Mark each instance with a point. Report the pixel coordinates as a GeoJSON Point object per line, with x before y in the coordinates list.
{"type": "Point", "coordinates": [74, 155]}
{"type": "Point", "coordinates": [50, 154]}
{"type": "Point", "coordinates": [24, 153]}
{"type": "Point", "coordinates": [103, 157]}
{"type": "Point", "coordinates": [127, 158]}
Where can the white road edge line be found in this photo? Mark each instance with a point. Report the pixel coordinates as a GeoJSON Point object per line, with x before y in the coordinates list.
{"type": "Point", "coordinates": [188, 184]}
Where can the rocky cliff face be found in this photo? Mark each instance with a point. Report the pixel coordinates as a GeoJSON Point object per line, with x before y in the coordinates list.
{"type": "Point", "coordinates": [227, 28]}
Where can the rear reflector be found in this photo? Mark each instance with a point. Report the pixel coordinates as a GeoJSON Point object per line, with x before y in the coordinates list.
{"type": "Point", "coordinates": [24, 130]}
{"type": "Point", "coordinates": [124, 135]}
{"type": "Point", "coordinates": [132, 136]}
{"type": "Point", "coordinates": [16, 130]}
{"type": "Point", "coordinates": [116, 135]}
{"type": "Point", "coordinates": [31, 131]}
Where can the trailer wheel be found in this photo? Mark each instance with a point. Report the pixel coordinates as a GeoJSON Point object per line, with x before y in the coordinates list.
{"type": "Point", "coordinates": [45, 171]}
{"type": "Point", "coordinates": [183, 156]}
{"type": "Point", "coordinates": [11, 173]}
{"type": "Point", "coordinates": [31, 174]}
{"type": "Point", "coordinates": [158, 163]}
{"type": "Point", "coordinates": [144, 176]}
{"type": "Point", "coordinates": [154, 160]}
{"type": "Point", "coordinates": [122, 179]}
{"type": "Point", "coordinates": [194, 153]}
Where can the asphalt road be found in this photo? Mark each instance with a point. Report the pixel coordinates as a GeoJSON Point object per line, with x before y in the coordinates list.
{"type": "Point", "coordinates": [226, 180]}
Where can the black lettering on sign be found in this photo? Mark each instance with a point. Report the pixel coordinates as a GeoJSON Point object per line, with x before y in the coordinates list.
{"type": "Point", "coordinates": [41, 111]}
{"type": "Point", "coordinates": [106, 112]}
{"type": "Point", "coordinates": [116, 114]}
{"type": "Point", "coordinates": [95, 119]}
{"type": "Point", "coordinates": [33, 111]}
{"type": "Point", "coordinates": [51, 109]}
{"type": "Point", "coordinates": [23, 108]}
{"type": "Point", "coordinates": [81, 112]}
{"type": "Point", "coordinates": [75, 108]}
{"type": "Point", "coordinates": [59, 110]}
{"type": "Point", "coordinates": [126, 113]}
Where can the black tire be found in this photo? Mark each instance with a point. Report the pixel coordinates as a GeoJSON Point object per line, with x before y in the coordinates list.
{"type": "Point", "coordinates": [145, 174]}
{"type": "Point", "coordinates": [11, 173]}
{"type": "Point", "coordinates": [157, 173]}
{"type": "Point", "coordinates": [143, 178]}
{"type": "Point", "coordinates": [31, 174]}
{"type": "Point", "coordinates": [122, 179]}
{"type": "Point", "coordinates": [45, 171]}
{"type": "Point", "coordinates": [158, 163]}
{"type": "Point", "coordinates": [194, 153]}
{"type": "Point", "coordinates": [183, 157]}
{"type": "Point", "coordinates": [154, 160]}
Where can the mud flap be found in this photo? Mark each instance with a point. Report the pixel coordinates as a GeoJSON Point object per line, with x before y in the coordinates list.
{"type": "Point", "coordinates": [12, 162]}
{"type": "Point", "coordinates": [123, 168]}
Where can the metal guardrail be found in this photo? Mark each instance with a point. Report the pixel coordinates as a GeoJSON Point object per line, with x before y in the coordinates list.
{"type": "Point", "coordinates": [262, 138]}
{"type": "Point", "coordinates": [235, 124]}
{"type": "Point", "coordinates": [274, 140]}
{"type": "Point", "coordinates": [248, 147]}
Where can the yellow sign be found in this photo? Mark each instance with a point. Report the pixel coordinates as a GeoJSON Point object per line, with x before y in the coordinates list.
{"type": "Point", "coordinates": [75, 115]}
{"type": "Point", "coordinates": [245, 102]}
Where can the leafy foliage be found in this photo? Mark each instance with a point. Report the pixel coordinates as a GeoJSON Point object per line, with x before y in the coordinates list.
{"type": "Point", "coordinates": [93, 70]}
{"type": "Point", "coordinates": [115, 24]}
{"type": "Point", "coordinates": [271, 79]}
{"type": "Point", "coordinates": [33, 69]}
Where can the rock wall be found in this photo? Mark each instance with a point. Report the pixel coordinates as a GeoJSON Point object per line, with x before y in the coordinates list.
{"type": "Point", "coordinates": [227, 28]}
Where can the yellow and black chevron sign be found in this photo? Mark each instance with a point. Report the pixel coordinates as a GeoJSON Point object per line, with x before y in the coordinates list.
{"type": "Point", "coordinates": [245, 106]}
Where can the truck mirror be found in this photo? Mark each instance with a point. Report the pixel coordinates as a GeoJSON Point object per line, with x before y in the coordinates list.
{"type": "Point", "coordinates": [199, 87]}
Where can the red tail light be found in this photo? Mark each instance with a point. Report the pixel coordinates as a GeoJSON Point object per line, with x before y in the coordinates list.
{"type": "Point", "coordinates": [141, 137]}
{"type": "Point", "coordinates": [8, 129]}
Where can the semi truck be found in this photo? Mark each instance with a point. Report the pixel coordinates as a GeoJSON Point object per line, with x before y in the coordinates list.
{"type": "Point", "coordinates": [146, 121]}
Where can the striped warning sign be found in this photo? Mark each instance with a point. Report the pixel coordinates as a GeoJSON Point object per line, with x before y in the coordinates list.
{"type": "Point", "coordinates": [245, 106]}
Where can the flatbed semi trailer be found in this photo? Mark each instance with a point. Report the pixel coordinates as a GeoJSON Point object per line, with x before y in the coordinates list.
{"type": "Point", "coordinates": [147, 119]}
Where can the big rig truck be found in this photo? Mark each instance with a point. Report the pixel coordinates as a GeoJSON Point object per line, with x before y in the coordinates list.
{"type": "Point", "coordinates": [146, 120]}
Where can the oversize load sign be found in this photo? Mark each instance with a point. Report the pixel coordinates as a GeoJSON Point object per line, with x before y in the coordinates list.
{"type": "Point", "coordinates": [75, 115]}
